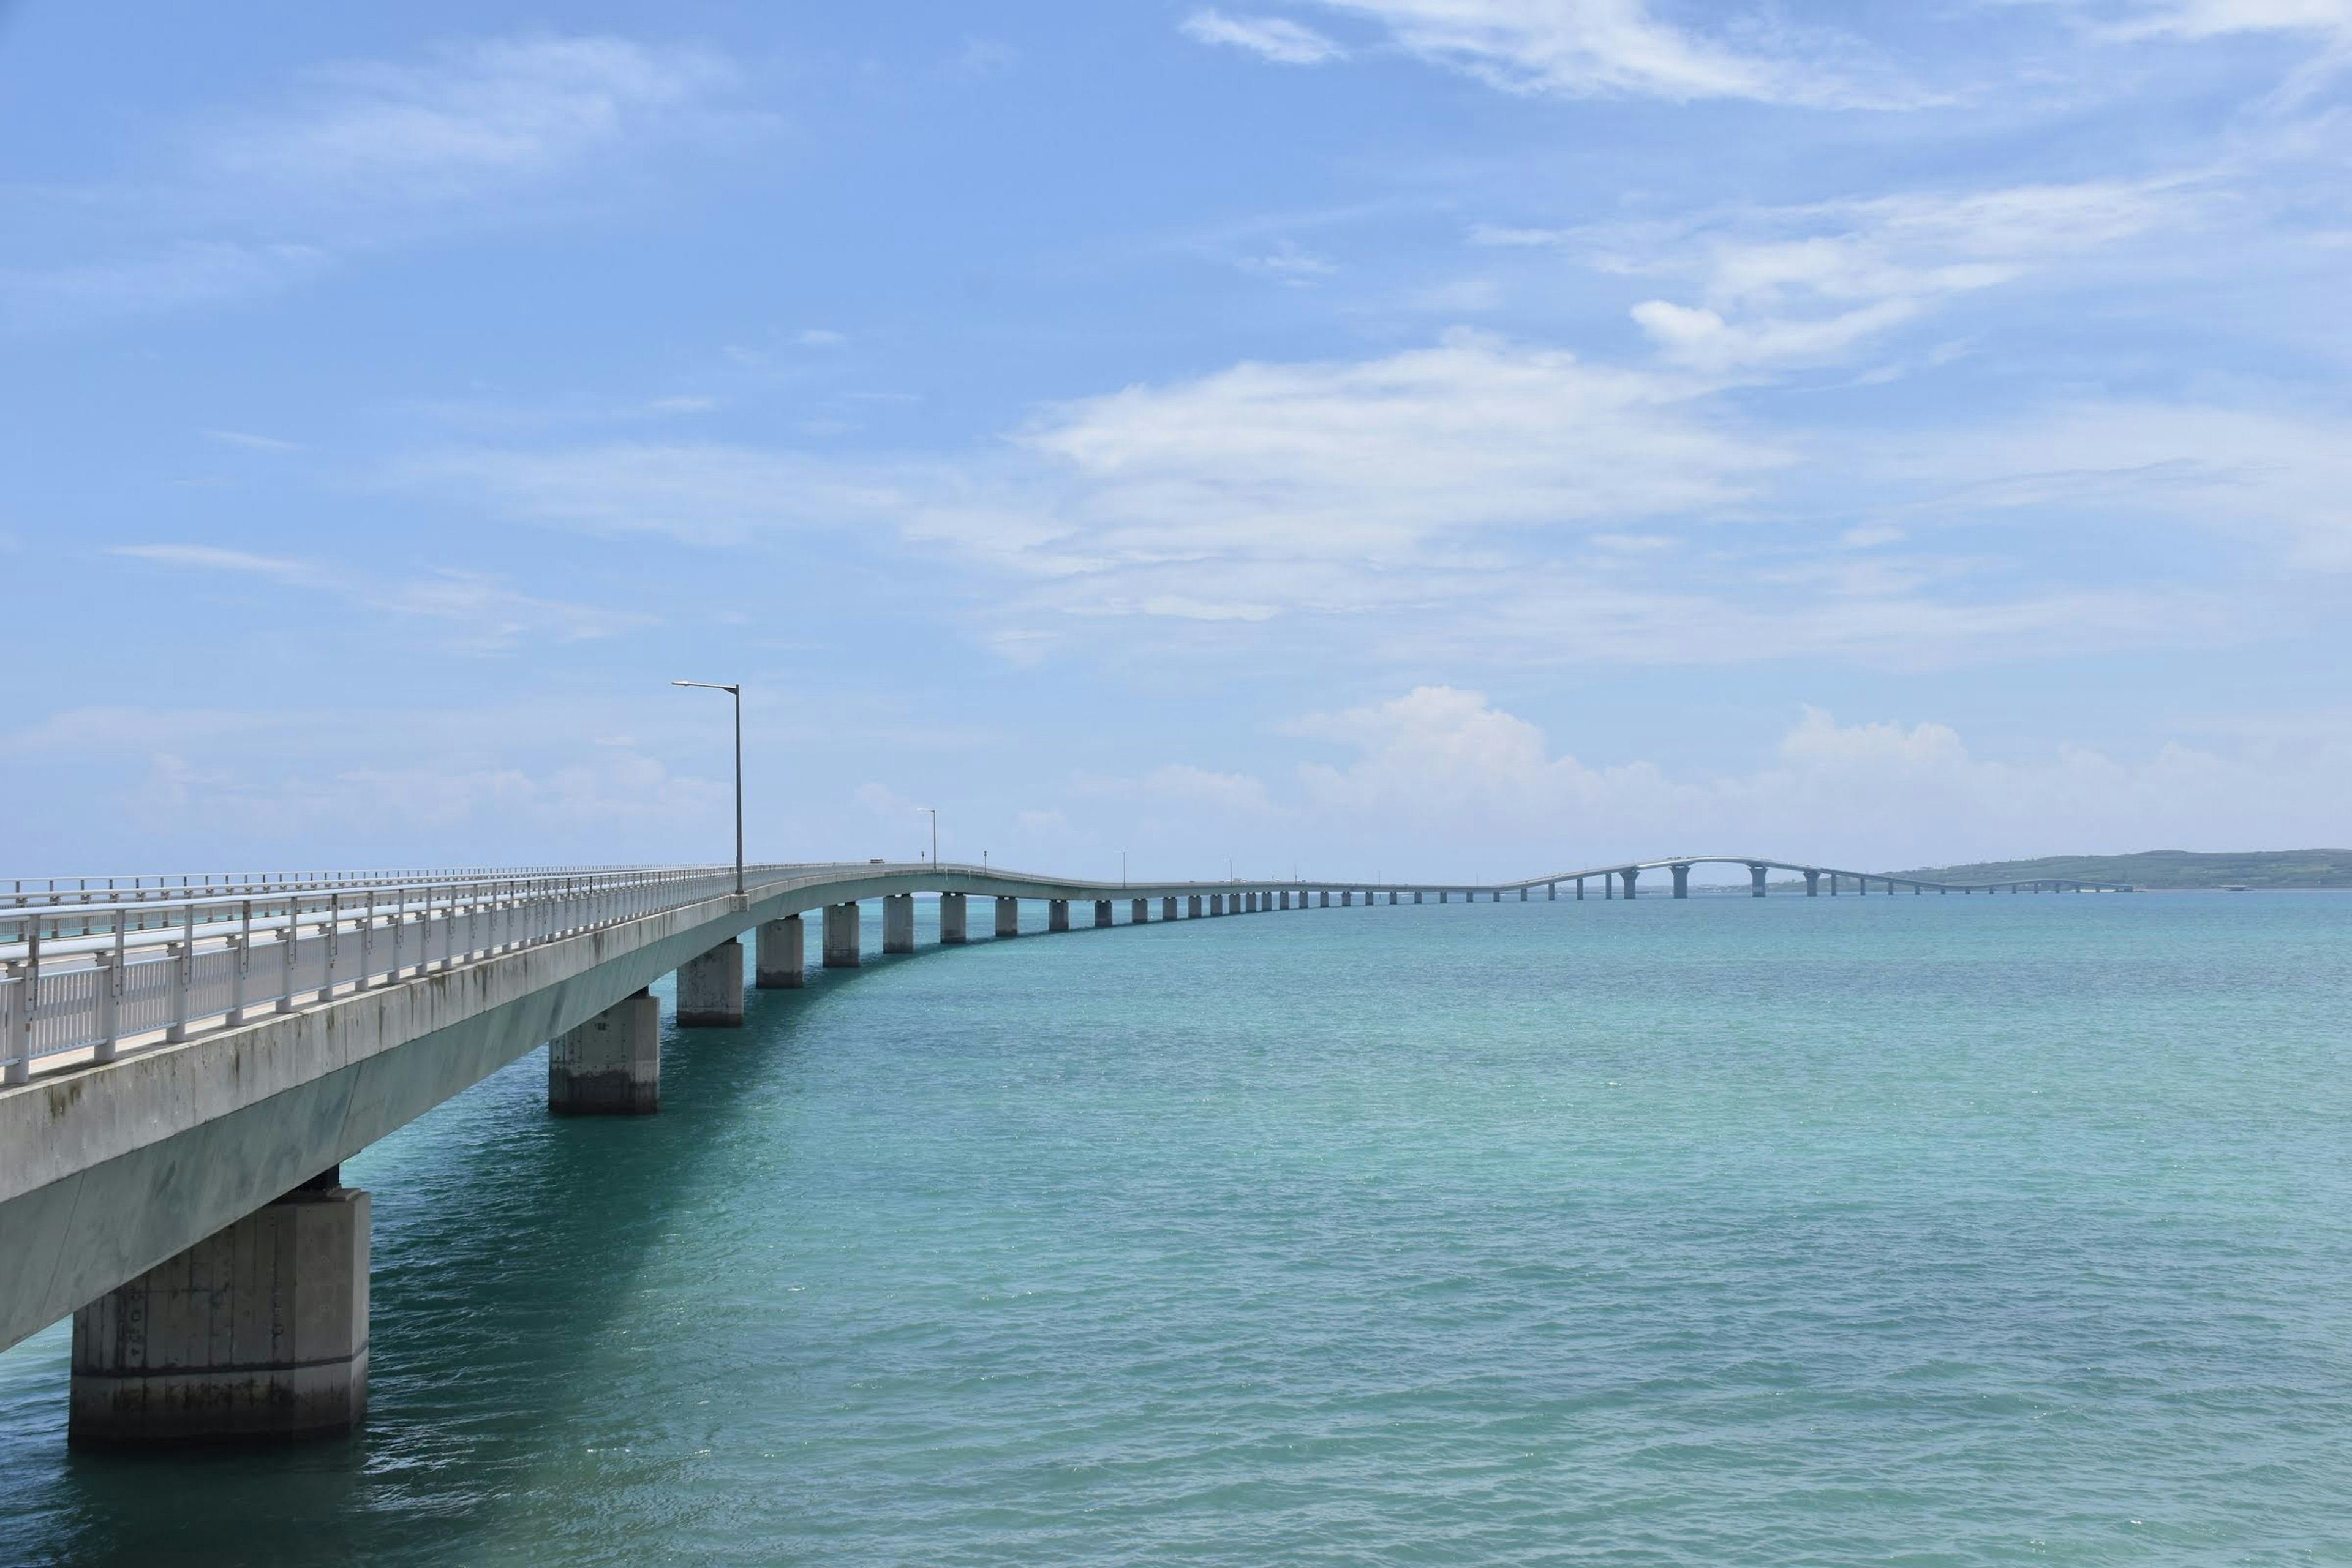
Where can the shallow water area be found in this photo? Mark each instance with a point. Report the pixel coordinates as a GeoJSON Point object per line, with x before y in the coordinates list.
{"type": "Point", "coordinates": [1725, 1231]}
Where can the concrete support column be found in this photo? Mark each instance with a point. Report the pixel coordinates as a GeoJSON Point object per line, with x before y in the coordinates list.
{"type": "Point", "coordinates": [1192, 906]}
{"type": "Point", "coordinates": [1812, 884]}
{"type": "Point", "coordinates": [1323, 899]}
{"type": "Point", "coordinates": [1416, 895]}
{"type": "Point", "coordinates": [1608, 885]}
{"type": "Point", "coordinates": [1057, 914]}
{"type": "Point", "coordinates": [1102, 913]}
{"type": "Point", "coordinates": [898, 922]}
{"type": "Point", "coordinates": [1347, 899]}
{"type": "Point", "coordinates": [1756, 880]}
{"type": "Point", "coordinates": [611, 1065]}
{"type": "Point", "coordinates": [780, 956]}
{"type": "Point", "coordinates": [1832, 877]}
{"type": "Point", "coordinates": [1551, 892]}
{"type": "Point", "coordinates": [1443, 896]}
{"type": "Point", "coordinates": [1008, 916]}
{"type": "Point", "coordinates": [1682, 880]}
{"type": "Point", "coordinates": [258, 1331]}
{"type": "Point", "coordinates": [841, 936]}
{"type": "Point", "coordinates": [1580, 890]}
{"type": "Point", "coordinates": [1139, 911]}
{"type": "Point", "coordinates": [1167, 908]}
{"type": "Point", "coordinates": [955, 917]}
{"type": "Point", "coordinates": [710, 988]}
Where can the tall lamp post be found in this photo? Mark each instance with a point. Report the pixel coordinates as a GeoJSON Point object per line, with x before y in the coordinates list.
{"type": "Point", "coordinates": [935, 834]}
{"type": "Point", "coordinates": [736, 692]}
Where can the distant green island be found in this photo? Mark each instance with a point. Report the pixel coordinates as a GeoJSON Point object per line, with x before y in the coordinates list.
{"type": "Point", "coordinates": [2166, 868]}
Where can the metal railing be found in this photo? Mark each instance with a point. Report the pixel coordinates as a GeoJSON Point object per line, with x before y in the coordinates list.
{"type": "Point", "coordinates": [85, 968]}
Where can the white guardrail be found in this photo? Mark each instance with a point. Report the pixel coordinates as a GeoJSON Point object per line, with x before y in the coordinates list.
{"type": "Point", "coordinates": [86, 967]}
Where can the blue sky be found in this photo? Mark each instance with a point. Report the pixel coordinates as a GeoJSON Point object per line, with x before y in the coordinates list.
{"type": "Point", "coordinates": [1378, 436]}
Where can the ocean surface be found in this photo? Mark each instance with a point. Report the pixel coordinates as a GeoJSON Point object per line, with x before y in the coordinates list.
{"type": "Point", "coordinates": [1887, 1230]}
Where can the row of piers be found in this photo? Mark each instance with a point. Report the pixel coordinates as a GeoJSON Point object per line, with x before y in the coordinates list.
{"type": "Point", "coordinates": [261, 1330]}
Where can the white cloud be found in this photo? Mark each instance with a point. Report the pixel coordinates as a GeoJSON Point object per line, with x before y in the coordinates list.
{"type": "Point", "coordinates": [173, 276]}
{"type": "Point", "coordinates": [470, 120]}
{"type": "Point", "coordinates": [1287, 264]}
{"type": "Point", "coordinates": [1597, 48]}
{"type": "Point", "coordinates": [1372, 460]}
{"type": "Point", "coordinates": [2213, 18]}
{"type": "Point", "coordinates": [251, 442]}
{"type": "Point", "coordinates": [1809, 285]}
{"type": "Point", "coordinates": [817, 338]}
{"type": "Point", "coordinates": [2278, 480]}
{"type": "Point", "coordinates": [1274, 38]}
{"type": "Point", "coordinates": [1479, 495]}
{"type": "Point", "coordinates": [364, 154]}
{"type": "Point", "coordinates": [1879, 796]}
{"type": "Point", "coordinates": [486, 614]}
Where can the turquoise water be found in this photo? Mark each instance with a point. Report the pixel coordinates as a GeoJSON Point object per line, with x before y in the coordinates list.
{"type": "Point", "coordinates": [1722, 1232]}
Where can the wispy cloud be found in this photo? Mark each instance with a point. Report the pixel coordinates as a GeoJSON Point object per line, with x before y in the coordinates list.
{"type": "Point", "coordinates": [467, 121]}
{"type": "Point", "coordinates": [487, 614]}
{"type": "Point", "coordinates": [1808, 285]}
{"type": "Point", "coordinates": [1614, 48]}
{"type": "Point", "coordinates": [358, 156]}
{"type": "Point", "coordinates": [1290, 265]}
{"type": "Point", "coordinates": [251, 442]}
{"type": "Point", "coordinates": [1274, 38]}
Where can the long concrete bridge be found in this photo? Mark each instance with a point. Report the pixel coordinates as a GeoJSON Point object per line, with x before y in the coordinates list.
{"type": "Point", "coordinates": [188, 1060]}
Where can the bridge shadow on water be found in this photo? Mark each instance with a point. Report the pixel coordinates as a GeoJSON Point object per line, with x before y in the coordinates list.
{"type": "Point", "coordinates": [508, 1245]}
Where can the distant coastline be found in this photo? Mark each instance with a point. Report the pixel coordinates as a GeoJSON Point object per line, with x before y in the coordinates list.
{"type": "Point", "coordinates": [2166, 868]}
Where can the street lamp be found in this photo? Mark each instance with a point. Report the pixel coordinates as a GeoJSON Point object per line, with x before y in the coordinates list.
{"type": "Point", "coordinates": [736, 692]}
{"type": "Point", "coordinates": [935, 834]}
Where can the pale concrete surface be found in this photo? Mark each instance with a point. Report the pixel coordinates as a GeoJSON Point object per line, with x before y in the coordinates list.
{"type": "Point", "coordinates": [898, 923]}
{"type": "Point", "coordinates": [841, 937]}
{"type": "Point", "coordinates": [611, 1065]}
{"type": "Point", "coordinates": [710, 988]}
{"type": "Point", "coordinates": [258, 1331]}
{"type": "Point", "coordinates": [780, 956]}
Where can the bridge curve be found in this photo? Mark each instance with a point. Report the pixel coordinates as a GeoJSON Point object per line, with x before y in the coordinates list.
{"type": "Point", "coordinates": [183, 1060]}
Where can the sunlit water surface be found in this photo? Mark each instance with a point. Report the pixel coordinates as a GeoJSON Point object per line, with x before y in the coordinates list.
{"type": "Point", "coordinates": [1916, 1230]}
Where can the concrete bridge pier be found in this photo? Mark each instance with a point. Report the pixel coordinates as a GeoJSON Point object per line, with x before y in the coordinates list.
{"type": "Point", "coordinates": [1551, 892]}
{"type": "Point", "coordinates": [898, 922]}
{"type": "Point", "coordinates": [955, 916]}
{"type": "Point", "coordinates": [1580, 890]}
{"type": "Point", "coordinates": [1682, 880]}
{"type": "Point", "coordinates": [841, 936]}
{"type": "Point", "coordinates": [1192, 906]}
{"type": "Point", "coordinates": [710, 988]}
{"type": "Point", "coordinates": [1812, 884]}
{"type": "Point", "coordinates": [611, 1065]}
{"type": "Point", "coordinates": [1756, 880]}
{"type": "Point", "coordinates": [1323, 899]}
{"type": "Point", "coordinates": [1416, 895]}
{"type": "Point", "coordinates": [1443, 896]}
{"type": "Point", "coordinates": [1057, 914]}
{"type": "Point", "coordinates": [780, 956]}
{"type": "Point", "coordinates": [1631, 874]}
{"type": "Point", "coordinates": [1102, 913]}
{"type": "Point", "coordinates": [1608, 885]}
{"type": "Point", "coordinates": [1008, 916]}
{"type": "Point", "coordinates": [260, 1332]}
{"type": "Point", "coordinates": [1139, 911]}
{"type": "Point", "coordinates": [1167, 908]}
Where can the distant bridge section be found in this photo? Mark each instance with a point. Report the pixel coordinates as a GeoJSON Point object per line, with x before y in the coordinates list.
{"type": "Point", "coordinates": [185, 1062]}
